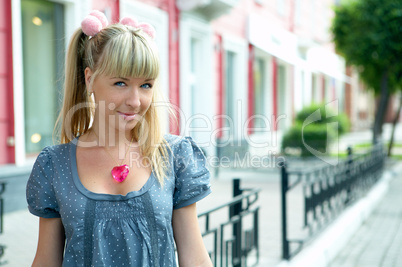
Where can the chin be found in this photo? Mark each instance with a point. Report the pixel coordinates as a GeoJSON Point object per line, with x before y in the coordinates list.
{"type": "Point", "coordinates": [130, 125]}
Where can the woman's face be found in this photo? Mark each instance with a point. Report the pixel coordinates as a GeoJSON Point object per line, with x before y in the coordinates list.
{"type": "Point", "coordinates": [120, 101]}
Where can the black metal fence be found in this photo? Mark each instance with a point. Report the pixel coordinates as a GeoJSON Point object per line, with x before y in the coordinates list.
{"type": "Point", "coordinates": [326, 191]}
{"type": "Point", "coordinates": [234, 241]}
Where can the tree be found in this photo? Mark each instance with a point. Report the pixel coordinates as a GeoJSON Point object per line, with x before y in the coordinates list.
{"type": "Point", "coordinates": [396, 118]}
{"type": "Point", "coordinates": [368, 34]}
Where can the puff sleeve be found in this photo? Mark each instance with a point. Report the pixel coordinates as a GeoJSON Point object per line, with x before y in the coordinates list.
{"type": "Point", "coordinates": [191, 174]}
{"type": "Point", "coordinates": [39, 191]}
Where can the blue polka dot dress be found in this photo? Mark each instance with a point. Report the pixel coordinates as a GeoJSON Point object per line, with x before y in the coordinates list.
{"type": "Point", "coordinates": [116, 230]}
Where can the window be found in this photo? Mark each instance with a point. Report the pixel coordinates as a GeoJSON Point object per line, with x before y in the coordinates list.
{"type": "Point", "coordinates": [281, 96]}
{"type": "Point", "coordinates": [229, 90]}
{"type": "Point", "coordinates": [280, 7]}
{"type": "Point", "coordinates": [259, 92]}
{"type": "Point", "coordinates": [195, 86]}
{"type": "Point", "coordinates": [313, 16]}
{"type": "Point", "coordinates": [297, 12]}
{"type": "Point", "coordinates": [43, 59]}
{"type": "Point", "coordinates": [314, 91]}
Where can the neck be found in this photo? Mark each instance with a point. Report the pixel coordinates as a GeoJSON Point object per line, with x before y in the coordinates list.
{"type": "Point", "coordinates": [109, 136]}
{"type": "Point", "coordinates": [111, 140]}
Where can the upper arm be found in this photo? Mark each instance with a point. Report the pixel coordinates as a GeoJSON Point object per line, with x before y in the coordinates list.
{"type": "Point", "coordinates": [50, 243]}
{"type": "Point", "coordinates": [190, 246]}
{"type": "Point", "coordinates": [192, 177]}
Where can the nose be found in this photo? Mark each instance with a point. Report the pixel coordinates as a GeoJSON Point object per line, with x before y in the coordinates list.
{"type": "Point", "coordinates": [133, 98]}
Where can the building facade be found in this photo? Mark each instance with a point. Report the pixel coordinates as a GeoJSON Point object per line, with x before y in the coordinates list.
{"type": "Point", "coordinates": [232, 69]}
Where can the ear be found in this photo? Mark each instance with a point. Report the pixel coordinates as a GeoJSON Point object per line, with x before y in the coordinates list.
{"type": "Point", "coordinates": [88, 75]}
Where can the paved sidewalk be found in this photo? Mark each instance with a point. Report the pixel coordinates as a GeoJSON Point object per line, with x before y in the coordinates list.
{"type": "Point", "coordinates": [378, 243]}
{"type": "Point", "coordinates": [20, 237]}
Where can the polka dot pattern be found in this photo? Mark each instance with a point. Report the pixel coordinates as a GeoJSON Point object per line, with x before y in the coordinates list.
{"type": "Point", "coordinates": [130, 230]}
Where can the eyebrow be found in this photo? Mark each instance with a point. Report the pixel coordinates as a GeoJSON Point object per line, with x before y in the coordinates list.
{"type": "Point", "coordinates": [122, 78]}
{"type": "Point", "coordinates": [126, 79]}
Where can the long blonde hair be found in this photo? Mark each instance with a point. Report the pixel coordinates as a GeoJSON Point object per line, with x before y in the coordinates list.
{"type": "Point", "coordinates": [120, 51]}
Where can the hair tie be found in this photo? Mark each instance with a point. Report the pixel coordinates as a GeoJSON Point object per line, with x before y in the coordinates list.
{"type": "Point", "coordinates": [99, 15]}
{"type": "Point", "coordinates": [129, 21]}
{"type": "Point", "coordinates": [145, 27]}
{"type": "Point", "coordinates": [94, 23]}
{"type": "Point", "coordinates": [148, 29]}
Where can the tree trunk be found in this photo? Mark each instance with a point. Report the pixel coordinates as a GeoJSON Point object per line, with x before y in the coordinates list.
{"type": "Point", "coordinates": [391, 141]}
{"type": "Point", "coordinates": [382, 108]}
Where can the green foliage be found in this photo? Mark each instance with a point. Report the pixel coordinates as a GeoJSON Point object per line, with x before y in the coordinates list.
{"type": "Point", "coordinates": [344, 123]}
{"type": "Point", "coordinates": [303, 114]}
{"type": "Point", "coordinates": [327, 115]}
{"type": "Point", "coordinates": [313, 136]}
{"type": "Point", "coordinates": [314, 133]}
{"type": "Point", "coordinates": [368, 34]}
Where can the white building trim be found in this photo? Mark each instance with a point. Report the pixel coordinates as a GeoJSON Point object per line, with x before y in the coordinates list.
{"type": "Point", "coordinates": [240, 48]}
{"type": "Point", "coordinates": [277, 42]}
{"type": "Point", "coordinates": [263, 140]}
{"type": "Point", "coordinates": [18, 84]}
{"type": "Point", "coordinates": [197, 90]}
{"type": "Point", "coordinates": [321, 60]}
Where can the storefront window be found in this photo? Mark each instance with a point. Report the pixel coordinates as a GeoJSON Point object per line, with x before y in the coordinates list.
{"type": "Point", "coordinates": [259, 93]}
{"type": "Point", "coordinates": [281, 97]}
{"type": "Point", "coordinates": [229, 122]}
{"type": "Point", "coordinates": [194, 79]}
{"type": "Point", "coordinates": [43, 56]}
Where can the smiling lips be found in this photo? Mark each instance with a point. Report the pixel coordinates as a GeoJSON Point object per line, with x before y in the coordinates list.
{"type": "Point", "coordinates": [127, 116]}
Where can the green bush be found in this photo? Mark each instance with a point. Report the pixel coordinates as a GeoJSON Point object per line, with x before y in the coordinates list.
{"type": "Point", "coordinates": [315, 138]}
{"type": "Point", "coordinates": [303, 114]}
{"type": "Point", "coordinates": [317, 132]}
{"type": "Point", "coordinates": [344, 123]}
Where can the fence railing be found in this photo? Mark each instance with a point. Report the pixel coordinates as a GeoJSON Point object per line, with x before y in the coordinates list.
{"type": "Point", "coordinates": [234, 241]}
{"type": "Point", "coordinates": [325, 191]}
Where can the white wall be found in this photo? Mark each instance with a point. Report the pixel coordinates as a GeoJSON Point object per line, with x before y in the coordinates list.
{"type": "Point", "coordinates": [197, 87]}
{"type": "Point", "coordinates": [240, 48]}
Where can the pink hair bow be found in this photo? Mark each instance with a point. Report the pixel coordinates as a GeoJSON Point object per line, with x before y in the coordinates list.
{"type": "Point", "coordinates": [147, 28]}
{"type": "Point", "coordinates": [94, 23]}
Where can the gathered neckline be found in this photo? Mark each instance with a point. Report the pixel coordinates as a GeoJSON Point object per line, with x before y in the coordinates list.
{"type": "Point", "coordinates": [102, 196]}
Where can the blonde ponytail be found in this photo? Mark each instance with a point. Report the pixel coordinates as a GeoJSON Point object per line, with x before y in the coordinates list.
{"type": "Point", "coordinates": [75, 116]}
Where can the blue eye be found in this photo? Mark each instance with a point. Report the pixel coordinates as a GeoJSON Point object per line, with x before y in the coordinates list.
{"type": "Point", "coordinates": [146, 86]}
{"type": "Point", "coordinates": [120, 84]}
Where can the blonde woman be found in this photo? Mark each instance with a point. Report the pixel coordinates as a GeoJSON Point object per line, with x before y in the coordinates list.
{"type": "Point", "coordinates": [116, 191]}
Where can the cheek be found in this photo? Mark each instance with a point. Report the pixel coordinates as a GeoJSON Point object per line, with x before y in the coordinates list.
{"type": "Point", "coordinates": [147, 100]}
{"type": "Point", "coordinates": [106, 106]}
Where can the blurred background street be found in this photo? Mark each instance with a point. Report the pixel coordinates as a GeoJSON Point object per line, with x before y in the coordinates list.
{"type": "Point", "coordinates": [314, 84]}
